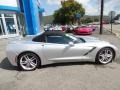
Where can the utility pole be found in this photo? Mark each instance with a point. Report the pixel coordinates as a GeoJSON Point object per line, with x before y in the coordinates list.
{"type": "Point", "coordinates": [101, 16]}
{"type": "Point", "coordinates": [111, 20]}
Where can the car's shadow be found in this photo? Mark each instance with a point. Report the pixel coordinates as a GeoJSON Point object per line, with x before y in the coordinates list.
{"type": "Point", "coordinates": [5, 64]}
{"type": "Point", "coordinates": [67, 64]}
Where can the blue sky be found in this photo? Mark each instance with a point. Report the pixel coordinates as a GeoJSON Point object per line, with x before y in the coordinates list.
{"type": "Point", "coordinates": [49, 8]}
{"type": "Point", "coordinates": [92, 7]}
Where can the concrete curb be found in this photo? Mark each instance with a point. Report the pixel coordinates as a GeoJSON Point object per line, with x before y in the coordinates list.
{"type": "Point", "coordinates": [115, 33]}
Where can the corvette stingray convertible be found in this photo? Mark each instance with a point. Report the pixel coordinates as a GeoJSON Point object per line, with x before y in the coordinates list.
{"type": "Point", "coordinates": [56, 47]}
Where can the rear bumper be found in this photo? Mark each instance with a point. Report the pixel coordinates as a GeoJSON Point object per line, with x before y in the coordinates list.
{"type": "Point", "coordinates": [12, 57]}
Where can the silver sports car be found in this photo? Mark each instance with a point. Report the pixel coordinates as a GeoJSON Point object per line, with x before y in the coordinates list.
{"type": "Point", "coordinates": [56, 47]}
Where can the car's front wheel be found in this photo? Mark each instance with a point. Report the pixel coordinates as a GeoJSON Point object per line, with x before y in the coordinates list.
{"type": "Point", "coordinates": [28, 61]}
{"type": "Point", "coordinates": [105, 56]}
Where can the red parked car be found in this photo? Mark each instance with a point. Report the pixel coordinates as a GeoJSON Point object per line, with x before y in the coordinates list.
{"type": "Point", "coordinates": [92, 27]}
{"type": "Point", "coordinates": [83, 30]}
{"type": "Point", "coordinates": [64, 28]}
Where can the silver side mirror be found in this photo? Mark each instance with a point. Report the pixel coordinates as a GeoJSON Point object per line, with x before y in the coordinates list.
{"type": "Point", "coordinates": [71, 44]}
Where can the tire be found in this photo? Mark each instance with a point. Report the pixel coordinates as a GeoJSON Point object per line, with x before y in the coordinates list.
{"type": "Point", "coordinates": [28, 61]}
{"type": "Point", "coordinates": [105, 56]}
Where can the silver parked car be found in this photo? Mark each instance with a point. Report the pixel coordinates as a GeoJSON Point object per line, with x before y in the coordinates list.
{"type": "Point", "coordinates": [56, 47]}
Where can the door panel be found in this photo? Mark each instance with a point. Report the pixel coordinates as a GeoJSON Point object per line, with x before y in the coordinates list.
{"type": "Point", "coordinates": [77, 50]}
{"type": "Point", "coordinates": [52, 51]}
{"type": "Point", "coordinates": [61, 52]}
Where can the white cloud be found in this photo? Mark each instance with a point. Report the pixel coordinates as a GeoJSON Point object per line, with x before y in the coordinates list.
{"type": "Point", "coordinates": [92, 7]}
{"type": "Point", "coordinates": [90, 10]}
{"type": "Point", "coordinates": [112, 5]}
{"type": "Point", "coordinates": [53, 2]}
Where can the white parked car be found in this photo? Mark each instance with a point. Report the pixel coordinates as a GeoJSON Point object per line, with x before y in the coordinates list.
{"type": "Point", "coordinates": [56, 47]}
{"type": "Point", "coordinates": [117, 22]}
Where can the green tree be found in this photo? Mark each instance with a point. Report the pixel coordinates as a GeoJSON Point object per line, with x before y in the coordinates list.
{"type": "Point", "coordinates": [96, 20]}
{"type": "Point", "coordinates": [117, 17]}
{"type": "Point", "coordinates": [86, 20]}
{"type": "Point", "coordinates": [66, 14]}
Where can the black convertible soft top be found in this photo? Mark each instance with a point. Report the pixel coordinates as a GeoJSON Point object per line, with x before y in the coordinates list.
{"type": "Point", "coordinates": [41, 37]}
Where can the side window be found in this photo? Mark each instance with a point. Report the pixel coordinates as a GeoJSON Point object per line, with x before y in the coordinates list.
{"type": "Point", "coordinates": [56, 39]}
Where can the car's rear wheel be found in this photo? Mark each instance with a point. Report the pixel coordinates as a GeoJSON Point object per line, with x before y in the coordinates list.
{"type": "Point", "coordinates": [105, 56]}
{"type": "Point", "coordinates": [28, 61]}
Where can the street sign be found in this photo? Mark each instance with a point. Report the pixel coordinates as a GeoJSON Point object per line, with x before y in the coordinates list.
{"type": "Point", "coordinates": [111, 14]}
{"type": "Point", "coordinates": [78, 15]}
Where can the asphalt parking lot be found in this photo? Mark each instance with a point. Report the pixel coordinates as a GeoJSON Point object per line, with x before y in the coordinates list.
{"type": "Point", "coordinates": [67, 76]}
